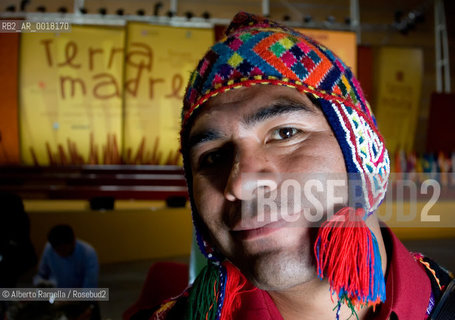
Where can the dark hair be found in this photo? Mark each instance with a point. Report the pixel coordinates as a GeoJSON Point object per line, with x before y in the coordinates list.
{"type": "Point", "coordinates": [60, 234]}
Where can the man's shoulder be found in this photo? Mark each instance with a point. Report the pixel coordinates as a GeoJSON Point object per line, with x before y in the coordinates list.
{"type": "Point", "coordinates": [414, 282]}
{"type": "Point", "coordinates": [86, 248]}
{"type": "Point", "coordinates": [247, 303]}
{"type": "Point", "coordinates": [47, 247]}
{"type": "Point", "coordinates": [85, 245]}
{"type": "Point", "coordinates": [48, 251]}
{"type": "Point", "coordinates": [174, 308]}
{"type": "Point", "coordinates": [439, 276]}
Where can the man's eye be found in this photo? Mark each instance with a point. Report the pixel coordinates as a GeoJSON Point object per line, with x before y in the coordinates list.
{"type": "Point", "coordinates": [284, 133]}
{"type": "Point", "coordinates": [212, 159]}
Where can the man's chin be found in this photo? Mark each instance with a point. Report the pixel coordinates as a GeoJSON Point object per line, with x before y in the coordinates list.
{"type": "Point", "coordinates": [278, 271]}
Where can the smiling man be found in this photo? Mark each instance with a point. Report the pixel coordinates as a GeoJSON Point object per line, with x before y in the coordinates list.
{"type": "Point", "coordinates": [250, 139]}
{"type": "Point", "coordinates": [285, 168]}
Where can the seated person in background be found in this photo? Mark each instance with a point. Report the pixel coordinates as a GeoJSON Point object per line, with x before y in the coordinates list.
{"type": "Point", "coordinates": [67, 262]}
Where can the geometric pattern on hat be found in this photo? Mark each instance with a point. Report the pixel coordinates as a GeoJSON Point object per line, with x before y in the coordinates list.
{"type": "Point", "coordinates": [261, 51]}
{"type": "Point", "coordinates": [363, 150]}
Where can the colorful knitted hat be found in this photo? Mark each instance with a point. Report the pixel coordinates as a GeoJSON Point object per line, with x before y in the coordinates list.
{"type": "Point", "coordinates": [257, 51]}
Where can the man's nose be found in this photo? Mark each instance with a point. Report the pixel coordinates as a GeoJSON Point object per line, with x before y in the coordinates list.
{"type": "Point", "coordinates": [251, 171]}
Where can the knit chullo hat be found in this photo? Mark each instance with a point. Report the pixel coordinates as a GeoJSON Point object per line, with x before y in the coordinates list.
{"type": "Point", "coordinates": [257, 51]}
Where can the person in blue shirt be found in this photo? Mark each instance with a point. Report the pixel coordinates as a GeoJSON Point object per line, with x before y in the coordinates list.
{"type": "Point", "coordinates": [67, 262]}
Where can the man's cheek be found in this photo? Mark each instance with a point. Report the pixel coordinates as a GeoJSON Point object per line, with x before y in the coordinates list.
{"type": "Point", "coordinates": [209, 213]}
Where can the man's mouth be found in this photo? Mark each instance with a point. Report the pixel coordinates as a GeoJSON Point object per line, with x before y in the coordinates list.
{"type": "Point", "coordinates": [254, 232]}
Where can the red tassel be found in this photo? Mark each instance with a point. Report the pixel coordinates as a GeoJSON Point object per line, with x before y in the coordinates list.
{"type": "Point", "coordinates": [235, 282]}
{"type": "Point", "coordinates": [345, 256]}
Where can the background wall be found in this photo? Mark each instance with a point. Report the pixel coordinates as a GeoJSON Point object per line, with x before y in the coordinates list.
{"type": "Point", "coordinates": [376, 18]}
{"type": "Point", "coordinates": [9, 130]}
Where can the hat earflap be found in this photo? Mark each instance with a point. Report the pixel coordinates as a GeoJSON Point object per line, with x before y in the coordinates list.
{"type": "Point", "coordinates": [214, 292]}
{"type": "Point", "coordinates": [347, 254]}
{"type": "Point", "coordinates": [346, 250]}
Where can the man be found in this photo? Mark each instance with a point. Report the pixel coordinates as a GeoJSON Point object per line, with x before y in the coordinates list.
{"type": "Point", "coordinates": [267, 107]}
{"type": "Point", "coordinates": [67, 262]}
{"type": "Point", "coordinates": [17, 254]}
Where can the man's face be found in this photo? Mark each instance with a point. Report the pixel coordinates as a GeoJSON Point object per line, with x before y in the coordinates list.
{"type": "Point", "coordinates": [246, 144]}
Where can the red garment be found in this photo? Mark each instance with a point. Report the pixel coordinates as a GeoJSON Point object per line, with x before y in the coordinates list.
{"type": "Point", "coordinates": [408, 289]}
{"type": "Point", "coordinates": [157, 286]}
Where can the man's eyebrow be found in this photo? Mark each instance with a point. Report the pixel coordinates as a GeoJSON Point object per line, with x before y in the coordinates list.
{"type": "Point", "coordinates": [203, 136]}
{"type": "Point", "coordinates": [280, 107]}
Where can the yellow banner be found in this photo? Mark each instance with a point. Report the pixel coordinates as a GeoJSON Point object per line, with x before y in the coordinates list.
{"type": "Point", "coordinates": [342, 43]}
{"type": "Point", "coordinates": [158, 64]}
{"type": "Point", "coordinates": [71, 96]}
{"type": "Point", "coordinates": [398, 81]}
